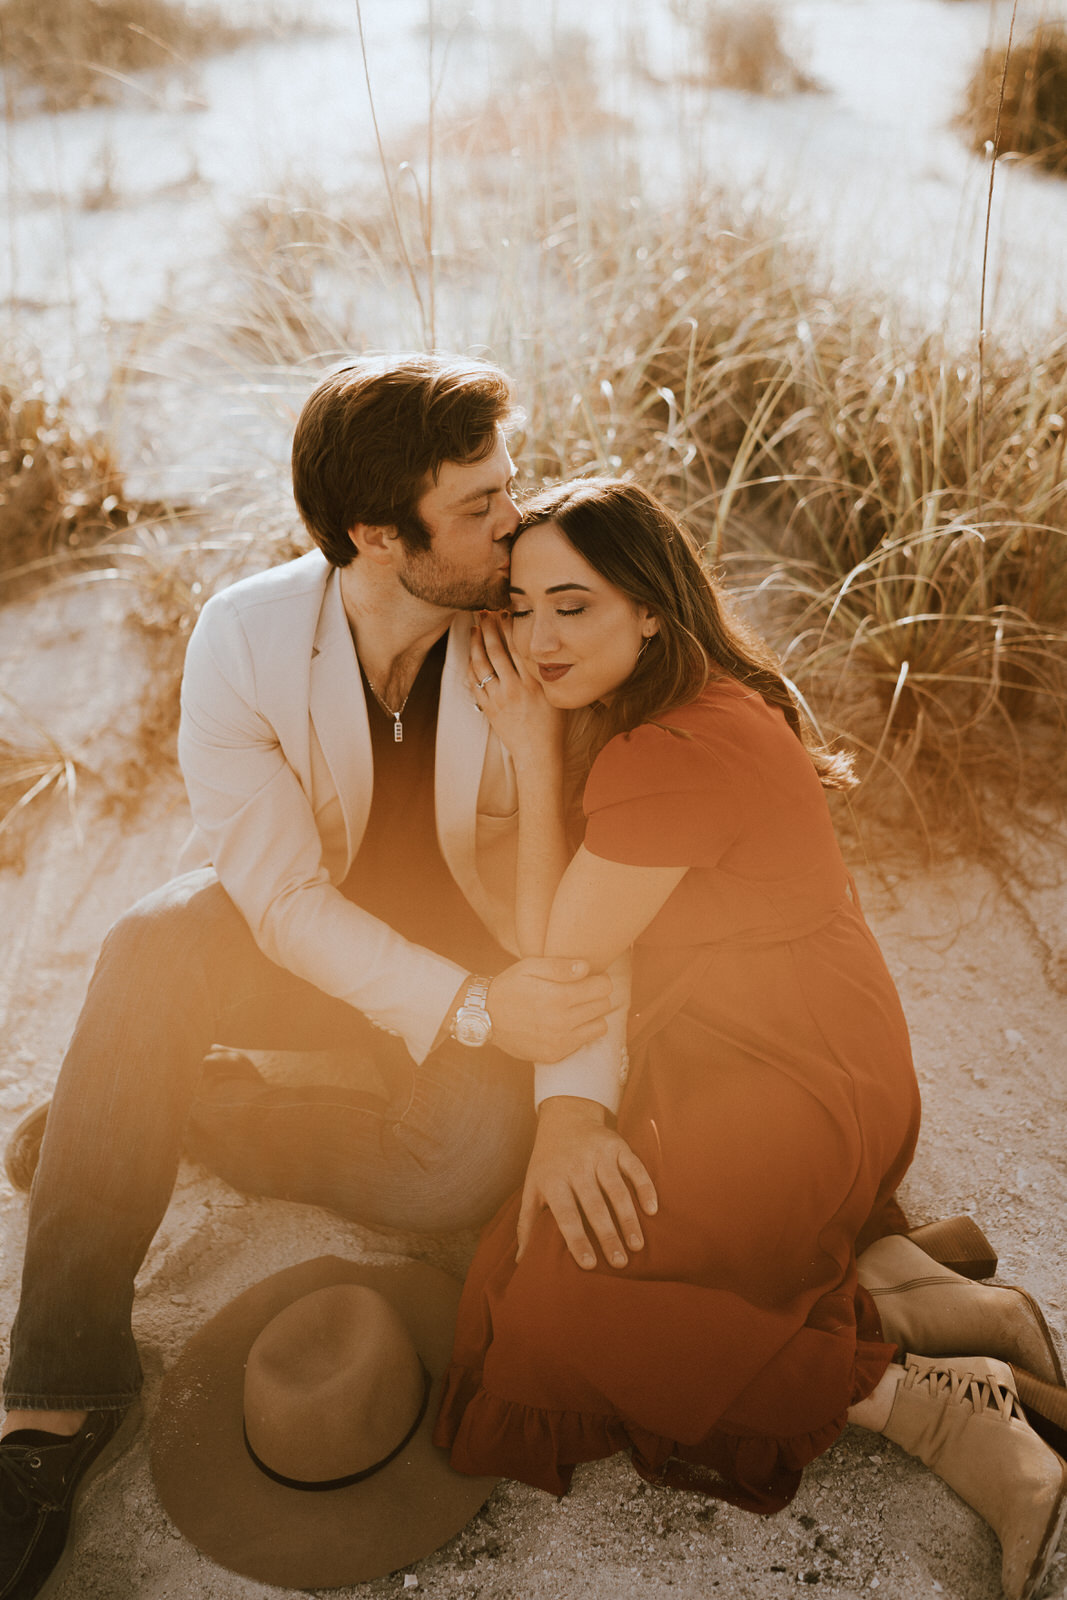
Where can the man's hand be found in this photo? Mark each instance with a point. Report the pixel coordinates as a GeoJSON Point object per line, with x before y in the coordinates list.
{"type": "Point", "coordinates": [587, 1176]}
{"type": "Point", "coordinates": [544, 1007]}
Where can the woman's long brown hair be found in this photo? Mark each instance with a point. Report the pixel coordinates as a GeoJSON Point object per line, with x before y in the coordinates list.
{"type": "Point", "coordinates": [633, 541]}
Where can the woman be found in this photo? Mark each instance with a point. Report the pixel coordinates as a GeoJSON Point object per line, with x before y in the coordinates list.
{"type": "Point", "coordinates": [686, 1285]}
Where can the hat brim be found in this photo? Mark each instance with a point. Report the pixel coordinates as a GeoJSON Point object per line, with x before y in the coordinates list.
{"type": "Point", "coordinates": [234, 1513]}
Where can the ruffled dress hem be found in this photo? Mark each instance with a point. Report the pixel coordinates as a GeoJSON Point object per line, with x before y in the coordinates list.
{"type": "Point", "coordinates": [487, 1434]}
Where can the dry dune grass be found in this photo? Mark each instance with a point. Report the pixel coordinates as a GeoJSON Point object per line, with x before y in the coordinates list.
{"type": "Point", "coordinates": [60, 487]}
{"type": "Point", "coordinates": [79, 52]}
{"type": "Point", "coordinates": [302, 260]}
{"type": "Point", "coordinates": [310, 264]}
{"type": "Point", "coordinates": [1033, 119]}
{"type": "Point", "coordinates": [32, 764]}
{"type": "Point", "coordinates": [741, 45]}
{"type": "Point", "coordinates": [64, 516]}
{"type": "Point", "coordinates": [907, 531]}
{"type": "Point", "coordinates": [551, 100]}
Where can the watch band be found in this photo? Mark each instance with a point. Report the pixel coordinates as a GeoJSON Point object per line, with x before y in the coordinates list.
{"type": "Point", "coordinates": [472, 1024]}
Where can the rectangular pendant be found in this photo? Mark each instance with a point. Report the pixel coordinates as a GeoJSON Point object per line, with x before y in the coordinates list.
{"type": "Point", "coordinates": [398, 732]}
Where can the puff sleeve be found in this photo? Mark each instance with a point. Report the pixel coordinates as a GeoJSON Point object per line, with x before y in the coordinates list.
{"type": "Point", "coordinates": [662, 796]}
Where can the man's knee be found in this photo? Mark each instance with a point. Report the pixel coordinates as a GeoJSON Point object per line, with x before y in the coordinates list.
{"type": "Point", "coordinates": [470, 1175]}
{"type": "Point", "coordinates": [180, 921]}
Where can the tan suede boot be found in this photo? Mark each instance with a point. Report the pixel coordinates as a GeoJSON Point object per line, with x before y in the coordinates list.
{"type": "Point", "coordinates": [962, 1418]}
{"type": "Point", "coordinates": [930, 1309]}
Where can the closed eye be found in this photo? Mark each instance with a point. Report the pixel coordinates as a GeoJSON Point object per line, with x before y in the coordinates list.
{"type": "Point", "coordinates": [561, 611]}
{"type": "Point", "coordinates": [509, 490]}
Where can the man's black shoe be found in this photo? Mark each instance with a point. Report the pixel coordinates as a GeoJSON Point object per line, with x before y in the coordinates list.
{"type": "Point", "coordinates": [41, 1475]}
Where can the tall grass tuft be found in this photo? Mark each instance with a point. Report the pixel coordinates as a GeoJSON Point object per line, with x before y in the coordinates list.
{"type": "Point", "coordinates": [319, 271]}
{"type": "Point", "coordinates": [61, 489]}
{"type": "Point", "coordinates": [72, 53]}
{"type": "Point", "coordinates": [306, 263]}
{"type": "Point", "coordinates": [1033, 120]}
{"type": "Point", "coordinates": [912, 561]}
{"type": "Point", "coordinates": [32, 764]}
{"type": "Point", "coordinates": [902, 537]}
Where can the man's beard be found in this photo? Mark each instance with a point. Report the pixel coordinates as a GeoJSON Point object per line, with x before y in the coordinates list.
{"type": "Point", "coordinates": [428, 578]}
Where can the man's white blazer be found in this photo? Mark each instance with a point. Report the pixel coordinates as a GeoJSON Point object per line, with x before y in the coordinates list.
{"type": "Point", "coordinates": [276, 753]}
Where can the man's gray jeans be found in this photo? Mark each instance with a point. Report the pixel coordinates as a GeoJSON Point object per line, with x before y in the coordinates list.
{"type": "Point", "coordinates": [180, 972]}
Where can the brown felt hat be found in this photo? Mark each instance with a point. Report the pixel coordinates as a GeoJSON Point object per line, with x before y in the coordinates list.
{"type": "Point", "coordinates": [292, 1440]}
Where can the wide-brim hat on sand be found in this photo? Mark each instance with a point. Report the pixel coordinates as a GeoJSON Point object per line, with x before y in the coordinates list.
{"type": "Point", "coordinates": [292, 1439]}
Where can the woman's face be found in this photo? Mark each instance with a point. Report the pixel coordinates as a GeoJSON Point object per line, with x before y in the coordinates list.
{"type": "Point", "coordinates": [576, 631]}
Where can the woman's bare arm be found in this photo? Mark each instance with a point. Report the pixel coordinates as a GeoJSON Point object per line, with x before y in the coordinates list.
{"type": "Point", "coordinates": [602, 906]}
{"type": "Point", "coordinates": [580, 1169]}
{"type": "Point", "coordinates": [541, 857]}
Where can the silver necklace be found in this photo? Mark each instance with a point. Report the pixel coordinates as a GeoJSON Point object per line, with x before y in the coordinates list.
{"type": "Point", "coordinates": [398, 726]}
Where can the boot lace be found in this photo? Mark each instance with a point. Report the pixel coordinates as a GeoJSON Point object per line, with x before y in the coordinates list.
{"type": "Point", "coordinates": [978, 1390]}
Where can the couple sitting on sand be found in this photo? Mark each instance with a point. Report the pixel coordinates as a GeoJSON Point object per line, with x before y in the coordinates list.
{"type": "Point", "coordinates": [695, 1254]}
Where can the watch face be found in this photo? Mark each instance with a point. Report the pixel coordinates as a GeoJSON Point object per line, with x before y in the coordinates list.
{"type": "Point", "coordinates": [472, 1027]}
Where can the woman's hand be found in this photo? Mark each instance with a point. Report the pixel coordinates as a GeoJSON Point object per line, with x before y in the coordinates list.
{"type": "Point", "coordinates": [511, 697]}
{"type": "Point", "coordinates": [579, 1169]}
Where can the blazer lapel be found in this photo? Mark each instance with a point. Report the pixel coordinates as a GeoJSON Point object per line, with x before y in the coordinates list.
{"type": "Point", "coordinates": [339, 714]}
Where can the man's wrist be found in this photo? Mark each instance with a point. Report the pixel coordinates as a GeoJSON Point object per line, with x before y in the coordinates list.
{"type": "Point", "coordinates": [572, 1108]}
{"type": "Point", "coordinates": [445, 1030]}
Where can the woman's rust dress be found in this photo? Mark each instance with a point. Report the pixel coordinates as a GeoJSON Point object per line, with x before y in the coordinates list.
{"type": "Point", "coordinates": [772, 1099]}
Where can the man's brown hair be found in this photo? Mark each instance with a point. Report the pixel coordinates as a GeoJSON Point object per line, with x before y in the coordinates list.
{"type": "Point", "coordinates": [373, 436]}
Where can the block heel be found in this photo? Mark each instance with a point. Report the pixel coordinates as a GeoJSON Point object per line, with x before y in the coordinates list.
{"type": "Point", "coordinates": [1045, 1405]}
{"type": "Point", "coordinates": [959, 1243]}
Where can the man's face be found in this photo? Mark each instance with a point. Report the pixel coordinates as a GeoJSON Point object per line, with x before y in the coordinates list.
{"type": "Point", "coordinates": [471, 518]}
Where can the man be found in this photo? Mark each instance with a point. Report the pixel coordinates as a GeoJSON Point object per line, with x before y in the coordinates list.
{"type": "Point", "coordinates": [359, 820]}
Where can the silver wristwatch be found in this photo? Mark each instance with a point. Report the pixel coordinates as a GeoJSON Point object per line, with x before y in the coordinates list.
{"type": "Point", "coordinates": [472, 1024]}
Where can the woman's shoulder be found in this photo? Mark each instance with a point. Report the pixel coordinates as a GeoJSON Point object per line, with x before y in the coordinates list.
{"type": "Point", "coordinates": [724, 713]}
{"type": "Point", "coordinates": [722, 704]}
{"type": "Point", "coordinates": [728, 736]}
{"type": "Point", "coordinates": [671, 791]}
{"type": "Point", "coordinates": [680, 749]}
